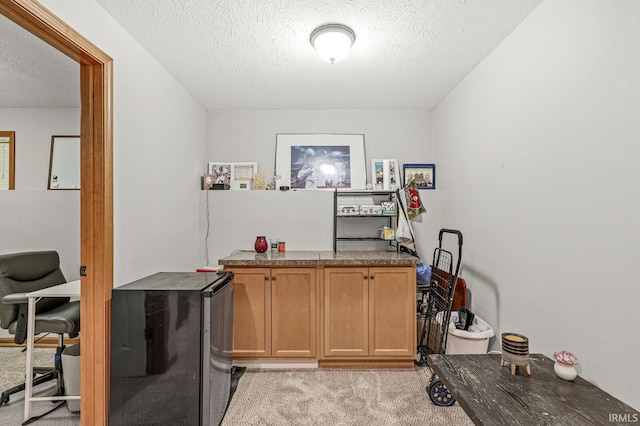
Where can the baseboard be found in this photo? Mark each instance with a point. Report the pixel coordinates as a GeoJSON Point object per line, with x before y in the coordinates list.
{"type": "Point", "coordinates": [45, 342]}
{"type": "Point", "coordinates": [275, 364]}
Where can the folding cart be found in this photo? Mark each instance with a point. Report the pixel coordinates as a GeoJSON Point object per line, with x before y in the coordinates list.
{"type": "Point", "coordinates": [434, 309]}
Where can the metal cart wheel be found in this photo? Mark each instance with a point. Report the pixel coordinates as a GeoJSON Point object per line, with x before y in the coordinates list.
{"type": "Point", "coordinates": [439, 394]}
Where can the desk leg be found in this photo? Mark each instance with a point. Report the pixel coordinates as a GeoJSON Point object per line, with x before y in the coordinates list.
{"type": "Point", "coordinates": [28, 387]}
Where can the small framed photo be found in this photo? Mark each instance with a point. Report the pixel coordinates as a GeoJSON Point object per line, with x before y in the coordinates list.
{"type": "Point", "coordinates": [207, 181]}
{"type": "Point", "coordinates": [221, 172]}
{"type": "Point", "coordinates": [424, 175]}
{"type": "Point", "coordinates": [233, 175]}
{"type": "Point", "coordinates": [377, 173]}
{"type": "Point", "coordinates": [242, 174]}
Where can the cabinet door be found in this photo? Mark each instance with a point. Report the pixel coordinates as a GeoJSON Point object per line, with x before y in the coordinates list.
{"type": "Point", "coordinates": [293, 310]}
{"type": "Point", "coordinates": [345, 312]}
{"type": "Point", "coordinates": [392, 300]}
{"type": "Point", "coordinates": [251, 313]}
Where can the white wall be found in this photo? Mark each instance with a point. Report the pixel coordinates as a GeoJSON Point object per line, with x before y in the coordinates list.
{"type": "Point", "coordinates": [250, 135]}
{"type": "Point", "coordinates": [538, 154]}
{"type": "Point", "coordinates": [159, 139]}
{"type": "Point", "coordinates": [34, 128]}
{"type": "Point", "coordinates": [42, 220]}
{"type": "Point", "coordinates": [31, 217]}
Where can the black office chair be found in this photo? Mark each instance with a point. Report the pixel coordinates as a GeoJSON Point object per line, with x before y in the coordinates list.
{"type": "Point", "coordinates": [21, 273]}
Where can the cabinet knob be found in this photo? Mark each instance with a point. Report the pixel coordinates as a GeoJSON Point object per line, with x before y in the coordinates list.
{"type": "Point", "coordinates": [266, 278]}
{"type": "Point", "coordinates": [273, 278]}
{"type": "Point", "coordinates": [371, 277]}
{"type": "Point", "coordinates": [366, 277]}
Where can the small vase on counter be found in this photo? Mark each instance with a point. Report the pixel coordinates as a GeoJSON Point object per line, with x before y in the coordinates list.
{"type": "Point", "coordinates": [565, 365]}
{"type": "Point", "coordinates": [261, 245]}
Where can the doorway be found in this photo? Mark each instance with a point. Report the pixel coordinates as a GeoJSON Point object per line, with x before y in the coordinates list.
{"type": "Point", "coordinates": [96, 196]}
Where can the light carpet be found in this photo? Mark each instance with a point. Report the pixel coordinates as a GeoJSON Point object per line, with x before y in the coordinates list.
{"type": "Point", "coordinates": [276, 397]}
{"type": "Point", "coordinates": [12, 368]}
{"type": "Point", "coordinates": [338, 397]}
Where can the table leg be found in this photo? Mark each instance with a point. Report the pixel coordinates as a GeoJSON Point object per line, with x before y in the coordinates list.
{"type": "Point", "coordinates": [28, 387]}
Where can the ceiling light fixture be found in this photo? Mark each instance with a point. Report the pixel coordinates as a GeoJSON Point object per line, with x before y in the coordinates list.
{"type": "Point", "coordinates": [332, 41]}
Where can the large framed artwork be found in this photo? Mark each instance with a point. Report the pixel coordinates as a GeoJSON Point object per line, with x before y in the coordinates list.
{"type": "Point", "coordinates": [320, 161]}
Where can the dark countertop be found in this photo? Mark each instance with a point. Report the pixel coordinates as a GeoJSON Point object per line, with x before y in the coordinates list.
{"type": "Point", "coordinates": [318, 258]}
{"type": "Point", "coordinates": [491, 395]}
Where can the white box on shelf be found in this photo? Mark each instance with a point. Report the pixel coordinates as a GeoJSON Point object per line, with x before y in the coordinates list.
{"type": "Point", "coordinates": [371, 210]}
{"type": "Point", "coordinates": [348, 210]}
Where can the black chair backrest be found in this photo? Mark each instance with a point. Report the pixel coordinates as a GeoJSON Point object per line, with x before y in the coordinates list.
{"type": "Point", "coordinates": [25, 272]}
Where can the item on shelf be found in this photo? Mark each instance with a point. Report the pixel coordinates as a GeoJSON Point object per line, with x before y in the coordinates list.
{"type": "Point", "coordinates": [388, 208]}
{"type": "Point", "coordinates": [282, 246]}
{"type": "Point", "coordinates": [359, 220]}
{"type": "Point", "coordinates": [207, 181]}
{"type": "Point", "coordinates": [348, 210]}
{"type": "Point", "coordinates": [259, 181]}
{"type": "Point", "coordinates": [371, 210]}
{"type": "Point", "coordinates": [261, 244]}
{"type": "Point", "coordinates": [274, 243]}
{"type": "Point", "coordinates": [387, 233]}
{"type": "Point", "coordinates": [386, 176]}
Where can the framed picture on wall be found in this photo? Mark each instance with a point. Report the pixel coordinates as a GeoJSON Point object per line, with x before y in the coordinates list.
{"type": "Point", "coordinates": [234, 175]}
{"type": "Point", "coordinates": [377, 173]}
{"type": "Point", "coordinates": [424, 175]}
{"type": "Point", "coordinates": [242, 174]}
{"type": "Point", "coordinates": [320, 161]}
{"type": "Point", "coordinates": [221, 172]}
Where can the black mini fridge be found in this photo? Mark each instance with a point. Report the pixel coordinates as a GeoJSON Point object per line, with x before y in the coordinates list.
{"type": "Point", "coordinates": [171, 349]}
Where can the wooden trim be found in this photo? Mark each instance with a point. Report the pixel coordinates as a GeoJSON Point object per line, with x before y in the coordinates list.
{"type": "Point", "coordinates": [12, 157]}
{"type": "Point", "coordinates": [96, 195]}
{"type": "Point", "coordinates": [366, 363]}
{"type": "Point", "coordinates": [12, 161]}
{"type": "Point", "coordinates": [46, 342]}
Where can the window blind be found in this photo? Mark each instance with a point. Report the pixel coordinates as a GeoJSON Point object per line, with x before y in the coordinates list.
{"type": "Point", "coordinates": [4, 163]}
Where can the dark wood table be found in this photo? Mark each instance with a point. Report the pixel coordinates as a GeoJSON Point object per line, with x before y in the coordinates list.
{"type": "Point", "coordinates": [491, 395]}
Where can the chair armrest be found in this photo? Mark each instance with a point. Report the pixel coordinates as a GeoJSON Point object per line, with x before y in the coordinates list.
{"type": "Point", "coordinates": [21, 326]}
{"type": "Point", "coordinates": [15, 299]}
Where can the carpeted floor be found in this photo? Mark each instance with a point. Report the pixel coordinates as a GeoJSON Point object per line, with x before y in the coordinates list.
{"type": "Point", "coordinates": [277, 397]}
{"type": "Point", "coordinates": [338, 397]}
{"type": "Point", "coordinates": [12, 366]}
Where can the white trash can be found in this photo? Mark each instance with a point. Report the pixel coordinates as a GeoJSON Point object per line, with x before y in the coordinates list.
{"type": "Point", "coordinates": [71, 375]}
{"type": "Point", "coordinates": [473, 341]}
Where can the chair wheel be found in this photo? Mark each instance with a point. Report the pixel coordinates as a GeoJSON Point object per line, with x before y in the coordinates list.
{"type": "Point", "coordinates": [439, 394]}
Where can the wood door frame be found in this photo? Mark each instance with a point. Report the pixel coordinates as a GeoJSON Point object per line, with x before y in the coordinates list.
{"type": "Point", "coordinates": [12, 156]}
{"type": "Point", "coordinates": [96, 195]}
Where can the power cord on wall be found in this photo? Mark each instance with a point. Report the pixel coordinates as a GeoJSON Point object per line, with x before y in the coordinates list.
{"type": "Point", "coordinates": [206, 236]}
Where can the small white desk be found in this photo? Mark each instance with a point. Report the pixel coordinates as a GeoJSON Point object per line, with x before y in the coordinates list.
{"type": "Point", "coordinates": [70, 289]}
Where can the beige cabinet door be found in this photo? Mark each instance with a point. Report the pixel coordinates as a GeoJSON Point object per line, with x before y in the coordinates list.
{"type": "Point", "coordinates": [251, 313]}
{"type": "Point", "coordinates": [293, 312]}
{"type": "Point", "coordinates": [392, 301]}
{"type": "Point", "coordinates": [345, 312]}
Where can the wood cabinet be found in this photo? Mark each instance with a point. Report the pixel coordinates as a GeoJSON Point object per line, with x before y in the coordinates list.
{"type": "Point", "coordinates": [368, 313]}
{"type": "Point", "coordinates": [251, 312]}
{"type": "Point", "coordinates": [274, 312]}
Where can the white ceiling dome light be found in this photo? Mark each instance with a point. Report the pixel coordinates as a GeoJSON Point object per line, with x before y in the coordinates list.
{"type": "Point", "coordinates": [332, 41]}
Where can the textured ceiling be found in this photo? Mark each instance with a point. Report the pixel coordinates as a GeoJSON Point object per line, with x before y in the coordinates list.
{"type": "Point", "coordinates": [34, 74]}
{"type": "Point", "coordinates": [256, 53]}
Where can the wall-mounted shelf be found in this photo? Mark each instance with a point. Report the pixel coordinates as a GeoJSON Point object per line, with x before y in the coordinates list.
{"type": "Point", "coordinates": [349, 212]}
